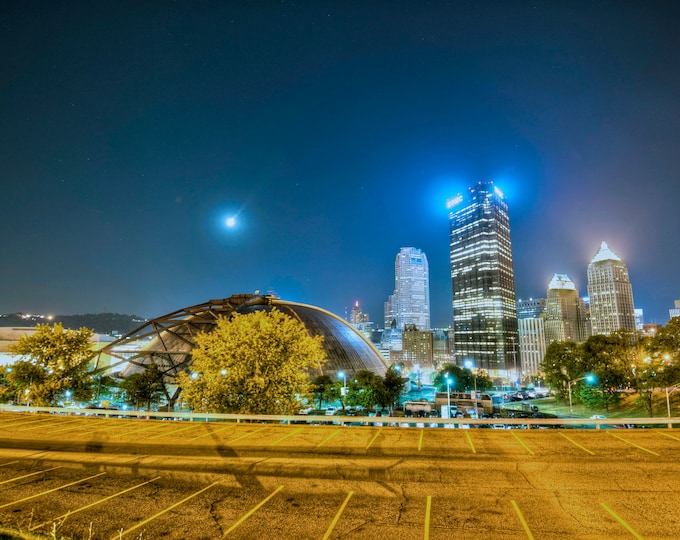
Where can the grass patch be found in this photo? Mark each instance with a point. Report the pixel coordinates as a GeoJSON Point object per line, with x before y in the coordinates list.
{"type": "Point", "coordinates": [628, 408]}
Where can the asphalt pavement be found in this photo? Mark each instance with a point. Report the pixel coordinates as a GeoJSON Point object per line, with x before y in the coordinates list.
{"type": "Point", "coordinates": [86, 477]}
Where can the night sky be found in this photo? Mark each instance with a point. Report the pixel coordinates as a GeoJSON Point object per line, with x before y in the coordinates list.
{"type": "Point", "coordinates": [334, 132]}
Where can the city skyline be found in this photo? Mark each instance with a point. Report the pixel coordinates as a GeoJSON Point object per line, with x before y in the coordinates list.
{"type": "Point", "coordinates": [157, 156]}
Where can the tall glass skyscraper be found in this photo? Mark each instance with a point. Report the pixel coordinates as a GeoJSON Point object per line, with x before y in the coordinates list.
{"type": "Point", "coordinates": [610, 292]}
{"type": "Point", "coordinates": [410, 303]}
{"type": "Point", "coordinates": [484, 308]}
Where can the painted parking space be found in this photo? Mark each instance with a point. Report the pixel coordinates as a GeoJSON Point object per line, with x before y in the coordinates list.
{"type": "Point", "coordinates": [644, 444]}
{"type": "Point", "coordinates": [517, 499]}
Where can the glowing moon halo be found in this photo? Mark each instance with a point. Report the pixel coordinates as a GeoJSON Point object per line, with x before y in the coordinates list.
{"type": "Point", "coordinates": [230, 221]}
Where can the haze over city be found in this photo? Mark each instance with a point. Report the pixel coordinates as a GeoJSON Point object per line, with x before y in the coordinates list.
{"type": "Point", "coordinates": [332, 133]}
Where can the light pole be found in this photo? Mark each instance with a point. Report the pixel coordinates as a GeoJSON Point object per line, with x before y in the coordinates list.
{"type": "Point", "coordinates": [469, 364]}
{"type": "Point", "coordinates": [668, 399]}
{"type": "Point", "coordinates": [514, 361]}
{"type": "Point", "coordinates": [590, 378]}
{"type": "Point", "coordinates": [448, 396]}
{"type": "Point", "coordinates": [343, 390]}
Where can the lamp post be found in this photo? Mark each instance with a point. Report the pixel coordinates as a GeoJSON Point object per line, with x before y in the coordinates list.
{"type": "Point", "coordinates": [514, 361]}
{"type": "Point", "coordinates": [343, 390]}
{"type": "Point", "coordinates": [590, 378]}
{"type": "Point", "coordinates": [469, 364]}
{"type": "Point", "coordinates": [448, 396]}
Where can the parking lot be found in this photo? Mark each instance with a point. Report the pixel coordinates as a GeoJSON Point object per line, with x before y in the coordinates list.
{"type": "Point", "coordinates": [111, 478]}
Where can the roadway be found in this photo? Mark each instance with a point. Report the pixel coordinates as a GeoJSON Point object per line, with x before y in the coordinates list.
{"type": "Point", "coordinates": [88, 477]}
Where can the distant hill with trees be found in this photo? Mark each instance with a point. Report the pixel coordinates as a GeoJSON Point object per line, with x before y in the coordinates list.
{"type": "Point", "coordinates": [101, 323]}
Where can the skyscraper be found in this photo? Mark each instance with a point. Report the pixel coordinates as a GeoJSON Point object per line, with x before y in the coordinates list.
{"type": "Point", "coordinates": [484, 309]}
{"type": "Point", "coordinates": [610, 292]}
{"type": "Point", "coordinates": [565, 311]}
{"type": "Point", "coordinates": [531, 327]}
{"type": "Point", "coordinates": [410, 303]}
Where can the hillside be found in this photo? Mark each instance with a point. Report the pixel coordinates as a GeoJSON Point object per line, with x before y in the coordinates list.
{"type": "Point", "coordinates": [102, 323]}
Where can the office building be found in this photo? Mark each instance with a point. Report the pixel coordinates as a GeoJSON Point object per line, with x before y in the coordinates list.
{"type": "Point", "coordinates": [410, 303]}
{"type": "Point", "coordinates": [610, 292]}
{"type": "Point", "coordinates": [484, 309]}
{"type": "Point", "coordinates": [674, 312]}
{"type": "Point", "coordinates": [358, 317]}
{"type": "Point", "coordinates": [532, 342]}
{"type": "Point", "coordinates": [565, 316]}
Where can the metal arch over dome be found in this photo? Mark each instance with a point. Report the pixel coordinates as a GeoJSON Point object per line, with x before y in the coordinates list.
{"type": "Point", "coordinates": [168, 341]}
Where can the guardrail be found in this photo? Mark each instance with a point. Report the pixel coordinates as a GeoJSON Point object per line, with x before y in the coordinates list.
{"type": "Point", "coordinates": [528, 423]}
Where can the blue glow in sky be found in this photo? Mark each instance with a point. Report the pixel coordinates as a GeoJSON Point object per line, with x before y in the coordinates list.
{"type": "Point", "coordinates": [335, 132]}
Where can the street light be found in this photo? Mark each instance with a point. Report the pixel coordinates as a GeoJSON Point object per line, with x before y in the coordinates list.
{"type": "Point", "coordinates": [469, 364]}
{"type": "Point", "coordinates": [589, 378]}
{"type": "Point", "coordinates": [514, 360]}
{"type": "Point", "coordinates": [448, 396]}
{"type": "Point", "coordinates": [343, 390]}
{"type": "Point", "coordinates": [344, 382]}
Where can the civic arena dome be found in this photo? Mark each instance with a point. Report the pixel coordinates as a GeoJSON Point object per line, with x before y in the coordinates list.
{"type": "Point", "coordinates": [168, 341]}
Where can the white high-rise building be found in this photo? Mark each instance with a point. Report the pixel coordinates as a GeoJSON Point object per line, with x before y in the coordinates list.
{"type": "Point", "coordinates": [610, 292]}
{"type": "Point", "coordinates": [410, 303]}
{"type": "Point", "coordinates": [531, 328]}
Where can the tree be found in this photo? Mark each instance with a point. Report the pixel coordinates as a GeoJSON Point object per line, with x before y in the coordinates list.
{"type": "Point", "coordinates": [7, 392]}
{"type": "Point", "coordinates": [324, 389]}
{"type": "Point", "coordinates": [57, 361]}
{"type": "Point", "coordinates": [560, 365]}
{"type": "Point", "coordinates": [393, 386]}
{"type": "Point", "coordinates": [364, 389]}
{"type": "Point", "coordinates": [462, 379]}
{"type": "Point", "coordinates": [607, 357]}
{"type": "Point", "coordinates": [657, 363]}
{"type": "Point", "coordinates": [255, 363]}
{"type": "Point", "coordinates": [145, 387]}
{"type": "Point", "coordinates": [667, 340]}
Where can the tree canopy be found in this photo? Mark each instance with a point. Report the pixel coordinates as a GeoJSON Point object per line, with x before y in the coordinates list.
{"type": "Point", "coordinates": [145, 387]}
{"type": "Point", "coordinates": [255, 363]}
{"type": "Point", "coordinates": [462, 379]}
{"type": "Point", "coordinates": [54, 361]}
{"type": "Point", "coordinates": [621, 361]}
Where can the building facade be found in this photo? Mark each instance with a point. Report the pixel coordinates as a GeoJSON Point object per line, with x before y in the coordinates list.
{"type": "Point", "coordinates": [565, 314]}
{"type": "Point", "coordinates": [410, 303]}
{"type": "Point", "coordinates": [417, 353]}
{"type": "Point", "coordinates": [532, 341]}
{"type": "Point", "coordinates": [484, 309]}
{"type": "Point", "coordinates": [610, 293]}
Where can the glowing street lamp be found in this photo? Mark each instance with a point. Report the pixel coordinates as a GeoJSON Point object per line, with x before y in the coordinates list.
{"type": "Point", "coordinates": [343, 390]}
{"type": "Point", "coordinates": [469, 364]}
{"type": "Point", "coordinates": [590, 379]}
{"type": "Point", "coordinates": [448, 395]}
{"type": "Point", "coordinates": [343, 375]}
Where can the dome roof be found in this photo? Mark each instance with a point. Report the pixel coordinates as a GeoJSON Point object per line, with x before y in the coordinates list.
{"type": "Point", "coordinates": [168, 340]}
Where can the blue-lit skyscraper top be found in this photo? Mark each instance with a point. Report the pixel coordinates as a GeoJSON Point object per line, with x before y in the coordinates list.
{"type": "Point", "coordinates": [484, 308]}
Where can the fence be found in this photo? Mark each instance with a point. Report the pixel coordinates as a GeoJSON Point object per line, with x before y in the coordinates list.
{"type": "Point", "coordinates": [528, 423]}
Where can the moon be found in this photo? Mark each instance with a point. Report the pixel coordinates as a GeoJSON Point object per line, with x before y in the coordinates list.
{"type": "Point", "coordinates": [230, 221]}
